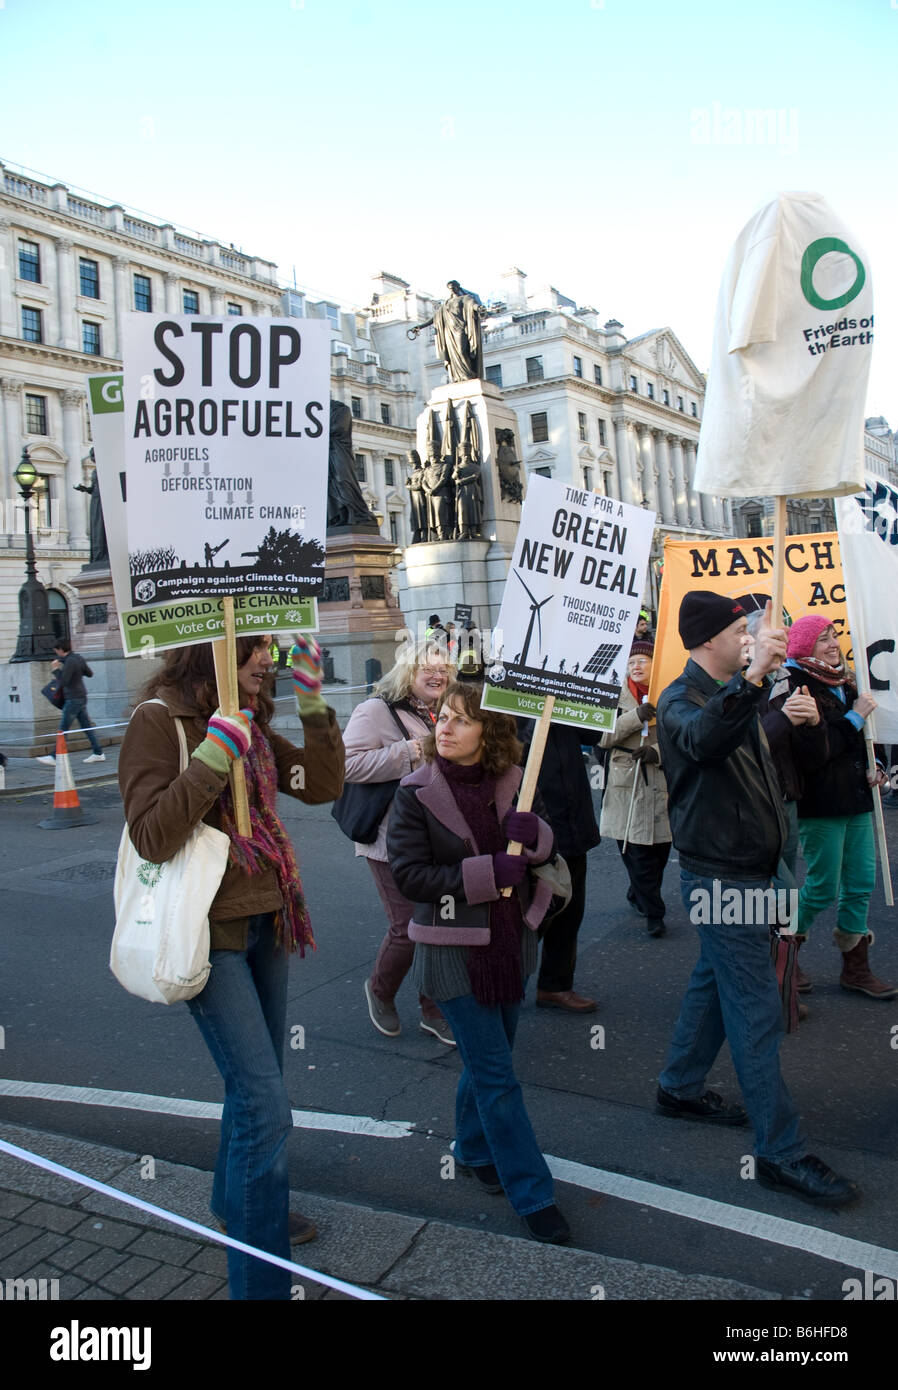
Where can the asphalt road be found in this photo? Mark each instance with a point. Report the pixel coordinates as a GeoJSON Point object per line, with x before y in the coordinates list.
{"type": "Point", "coordinates": [65, 1020]}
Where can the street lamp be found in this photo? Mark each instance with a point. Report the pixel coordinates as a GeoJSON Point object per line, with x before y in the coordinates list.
{"type": "Point", "coordinates": [36, 636]}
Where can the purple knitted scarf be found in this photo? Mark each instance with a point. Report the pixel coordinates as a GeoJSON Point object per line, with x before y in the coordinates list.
{"type": "Point", "coordinates": [269, 845]}
{"type": "Point", "coordinates": [494, 970]}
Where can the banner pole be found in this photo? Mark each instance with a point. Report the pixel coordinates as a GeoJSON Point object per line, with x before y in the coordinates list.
{"type": "Point", "coordinates": [224, 653]}
{"type": "Point", "coordinates": [779, 561]}
{"type": "Point", "coordinates": [880, 829]}
{"type": "Point", "coordinates": [531, 770]}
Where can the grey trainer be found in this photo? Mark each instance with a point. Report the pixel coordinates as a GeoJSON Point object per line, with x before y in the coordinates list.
{"type": "Point", "coordinates": [383, 1015]}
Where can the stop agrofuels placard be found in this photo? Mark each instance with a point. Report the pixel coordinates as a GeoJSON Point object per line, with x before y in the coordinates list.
{"type": "Point", "coordinates": [226, 444]}
{"type": "Point", "coordinates": [570, 605]}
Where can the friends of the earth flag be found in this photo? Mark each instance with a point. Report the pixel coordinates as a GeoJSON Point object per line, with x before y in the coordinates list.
{"type": "Point", "coordinates": [570, 605]}
{"type": "Point", "coordinates": [868, 537]}
{"type": "Point", "coordinates": [784, 407]}
{"type": "Point", "coordinates": [226, 453]}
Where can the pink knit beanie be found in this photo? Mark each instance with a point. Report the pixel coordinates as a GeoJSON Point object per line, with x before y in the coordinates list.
{"type": "Point", "coordinates": [803, 634]}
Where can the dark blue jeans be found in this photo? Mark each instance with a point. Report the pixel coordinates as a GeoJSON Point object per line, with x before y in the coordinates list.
{"type": "Point", "coordinates": [491, 1121]}
{"type": "Point", "coordinates": [733, 994]}
{"type": "Point", "coordinates": [77, 709]}
{"type": "Point", "coordinates": [241, 1015]}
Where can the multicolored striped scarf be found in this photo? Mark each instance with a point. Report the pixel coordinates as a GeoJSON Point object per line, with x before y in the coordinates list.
{"type": "Point", "coordinates": [269, 845]}
{"type": "Point", "coordinates": [822, 671]}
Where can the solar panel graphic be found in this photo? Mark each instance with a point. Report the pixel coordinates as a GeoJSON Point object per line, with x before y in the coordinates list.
{"type": "Point", "coordinates": [601, 659]}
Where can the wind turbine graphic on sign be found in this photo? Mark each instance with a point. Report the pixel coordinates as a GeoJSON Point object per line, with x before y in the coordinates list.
{"type": "Point", "coordinates": [535, 607]}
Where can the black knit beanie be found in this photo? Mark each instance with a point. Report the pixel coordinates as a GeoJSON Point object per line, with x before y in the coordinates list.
{"type": "Point", "coordinates": [703, 615]}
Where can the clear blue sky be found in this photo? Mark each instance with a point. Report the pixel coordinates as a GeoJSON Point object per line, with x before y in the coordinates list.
{"type": "Point", "coordinates": [594, 143]}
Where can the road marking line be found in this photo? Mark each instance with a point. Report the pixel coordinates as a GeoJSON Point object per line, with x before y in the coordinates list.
{"type": "Point", "coordinates": [201, 1109]}
{"type": "Point", "coordinates": [827, 1245]}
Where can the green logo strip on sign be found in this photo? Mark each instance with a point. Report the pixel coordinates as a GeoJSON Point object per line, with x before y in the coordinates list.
{"type": "Point", "coordinates": [812, 255]}
{"type": "Point", "coordinates": [167, 625]}
{"type": "Point", "coordinates": [516, 702]}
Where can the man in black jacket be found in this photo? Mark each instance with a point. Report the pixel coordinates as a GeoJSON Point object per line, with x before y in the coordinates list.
{"type": "Point", "coordinates": [729, 826]}
{"type": "Point", "coordinates": [71, 668]}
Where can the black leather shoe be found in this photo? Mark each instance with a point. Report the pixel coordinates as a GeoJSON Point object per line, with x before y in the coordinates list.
{"type": "Point", "coordinates": [808, 1177]}
{"type": "Point", "coordinates": [548, 1226]}
{"type": "Point", "coordinates": [656, 926]}
{"type": "Point", "coordinates": [710, 1107]}
{"type": "Point", "coordinates": [486, 1174]}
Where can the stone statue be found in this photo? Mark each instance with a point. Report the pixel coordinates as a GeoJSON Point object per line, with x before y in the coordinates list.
{"type": "Point", "coordinates": [459, 334]}
{"type": "Point", "coordinates": [508, 466]}
{"type": "Point", "coordinates": [345, 504]}
{"type": "Point", "coordinates": [468, 495]}
{"type": "Point", "coordinates": [417, 497]}
{"type": "Point", "coordinates": [99, 546]}
{"type": "Point", "coordinates": [438, 491]}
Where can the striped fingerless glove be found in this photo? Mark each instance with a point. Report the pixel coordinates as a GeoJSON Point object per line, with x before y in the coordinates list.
{"type": "Point", "coordinates": [228, 737]}
{"type": "Point", "coordinates": [307, 680]}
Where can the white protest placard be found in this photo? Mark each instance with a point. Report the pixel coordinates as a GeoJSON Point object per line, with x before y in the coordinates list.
{"type": "Point", "coordinates": [226, 448]}
{"type": "Point", "coordinates": [570, 605]}
{"type": "Point", "coordinates": [154, 627]}
{"type": "Point", "coordinates": [868, 539]}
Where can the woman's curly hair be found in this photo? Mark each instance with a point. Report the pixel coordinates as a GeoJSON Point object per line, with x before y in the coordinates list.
{"type": "Point", "coordinates": [502, 748]}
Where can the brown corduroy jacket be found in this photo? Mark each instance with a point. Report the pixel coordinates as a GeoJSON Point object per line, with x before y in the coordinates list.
{"type": "Point", "coordinates": [162, 805]}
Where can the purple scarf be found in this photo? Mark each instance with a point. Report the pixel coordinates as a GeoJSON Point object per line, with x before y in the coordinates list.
{"type": "Point", "coordinates": [269, 845]}
{"type": "Point", "coordinates": [494, 970]}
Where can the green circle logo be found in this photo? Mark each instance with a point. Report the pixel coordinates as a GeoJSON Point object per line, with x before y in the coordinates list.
{"type": "Point", "coordinates": [808, 264]}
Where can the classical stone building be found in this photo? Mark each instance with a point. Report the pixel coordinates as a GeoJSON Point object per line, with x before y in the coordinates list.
{"type": "Point", "coordinates": [70, 268]}
{"type": "Point", "coordinates": [881, 449]}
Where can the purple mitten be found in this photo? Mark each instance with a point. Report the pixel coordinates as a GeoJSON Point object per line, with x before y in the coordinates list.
{"type": "Point", "coordinates": [508, 869]}
{"type": "Point", "coordinates": [522, 826]}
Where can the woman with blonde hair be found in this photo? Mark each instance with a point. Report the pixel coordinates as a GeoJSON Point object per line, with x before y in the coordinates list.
{"type": "Point", "coordinates": [383, 741]}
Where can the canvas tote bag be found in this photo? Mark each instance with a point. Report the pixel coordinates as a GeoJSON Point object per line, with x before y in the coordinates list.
{"type": "Point", "coordinates": [160, 947]}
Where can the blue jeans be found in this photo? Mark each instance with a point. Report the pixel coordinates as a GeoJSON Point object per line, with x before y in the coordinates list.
{"type": "Point", "coordinates": [733, 994]}
{"type": "Point", "coordinates": [241, 1015]}
{"type": "Point", "coordinates": [491, 1122]}
{"type": "Point", "coordinates": [77, 709]}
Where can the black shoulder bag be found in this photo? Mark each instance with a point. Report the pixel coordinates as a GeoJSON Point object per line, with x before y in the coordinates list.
{"type": "Point", "coordinates": [362, 805]}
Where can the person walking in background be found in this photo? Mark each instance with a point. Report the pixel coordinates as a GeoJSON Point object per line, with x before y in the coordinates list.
{"type": "Point", "coordinates": [567, 797]}
{"type": "Point", "coordinates": [474, 947]}
{"type": "Point", "coordinates": [258, 916]}
{"type": "Point", "coordinates": [71, 669]}
{"type": "Point", "coordinates": [383, 739]}
{"type": "Point", "coordinates": [638, 818]}
{"type": "Point", "coordinates": [835, 812]}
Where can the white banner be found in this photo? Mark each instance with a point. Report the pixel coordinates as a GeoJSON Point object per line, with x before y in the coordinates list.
{"type": "Point", "coordinates": [226, 446]}
{"type": "Point", "coordinates": [868, 540]}
{"type": "Point", "coordinates": [570, 605]}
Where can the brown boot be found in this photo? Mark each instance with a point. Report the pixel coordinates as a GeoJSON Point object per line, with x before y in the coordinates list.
{"type": "Point", "coordinates": [802, 983]}
{"type": "Point", "coordinates": [856, 973]}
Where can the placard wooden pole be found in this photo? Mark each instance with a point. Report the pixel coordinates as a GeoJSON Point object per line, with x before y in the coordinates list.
{"type": "Point", "coordinates": [225, 655]}
{"type": "Point", "coordinates": [779, 562]}
{"type": "Point", "coordinates": [880, 829]}
{"type": "Point", "coordinates": [531, 770]}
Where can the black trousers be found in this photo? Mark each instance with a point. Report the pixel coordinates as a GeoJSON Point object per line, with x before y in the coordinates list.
{"type": "Point", "coordinates": [559, 955]}
{"type": "Point", "coordinates": [646, 865]}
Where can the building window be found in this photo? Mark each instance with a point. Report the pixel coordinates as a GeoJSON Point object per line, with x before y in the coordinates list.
{"type": "Point", "coordinates": [581, 425]}
{"type": "Point", "coordinates": [539, 427]}
{"type": "Point", "coordinates": [543, 472]}
{"type": "Point", "coordinates": [695, 410]}
{"type": "Point", "coordinates": [494, 374]}
{"type": "Point", "coordinates": [236, 309]}
{"type": "Point", "coordinates": [32, 326]}
{"type": "Point", "coordinates": [355, 405]}
{"type": "Point", "coordinates": [389, 474]}
{"type": "Point", "coordinates": [394, 527]}
{"type": "Point", "coordinates": [90, 279]}
{"type": "Point", "coordinates": [634, 384]}
{"type": "Point", "coordinates": [384, 414]}
{"type": "Point", "coordinates": [587, 479]}
{"type": "Point", "coordinates": [753, 526]}
{"type": "Point", "coordinates": [597, 373]}
{"type": "Point", "coordinates": [90, 338]}
{"type": "Point", "coordinates": [35, 414]}
{"type": "Point", "coordinates": [534, 367]}
{"type": "Point", "coordinates": [578, 366]}
{"type": "Point", "coordinates": [30, 261]}
{"type": "Point", "coordinates": [191, 301]}
{"type": "Point", "coordinates": [602, 432]}
{"type": "Point", "coordinates": [665, 396]}
{"type": "Point", "coordinates": [40, 501]}
{"type": "Point", "coordinates": [333, 313]}
{"type": "Point", "coordinates": [143, 294]}
{"type": "Point", "coordinates": [680, 405]}
{"type": "Point", "coordinates": [650, 391]}
{"type": "Point", "coordinates": [360, 468]}
{"type": "Point", "coordinates": [59, 614]}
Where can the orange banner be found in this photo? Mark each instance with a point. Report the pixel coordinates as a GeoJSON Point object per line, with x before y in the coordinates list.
{"type": "Point", "coordinates": [743, 566]}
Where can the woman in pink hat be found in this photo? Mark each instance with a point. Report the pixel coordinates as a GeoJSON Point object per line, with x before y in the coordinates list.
{"type": "Point", "coordinates": [835, 820]}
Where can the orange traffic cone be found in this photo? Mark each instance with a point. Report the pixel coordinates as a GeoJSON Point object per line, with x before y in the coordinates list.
{"type": "Point", "coordinates": [66, 806]}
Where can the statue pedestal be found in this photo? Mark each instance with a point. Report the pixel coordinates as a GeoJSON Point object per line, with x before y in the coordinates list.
{"type": "Point", "coordinates": [359, 617]}
{"type": "Point", "coordinates": [96, 624]}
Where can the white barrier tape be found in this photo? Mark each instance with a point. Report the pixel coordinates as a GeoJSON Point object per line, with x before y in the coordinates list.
{"type": "Point", "coordinates": [47, 1163]}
